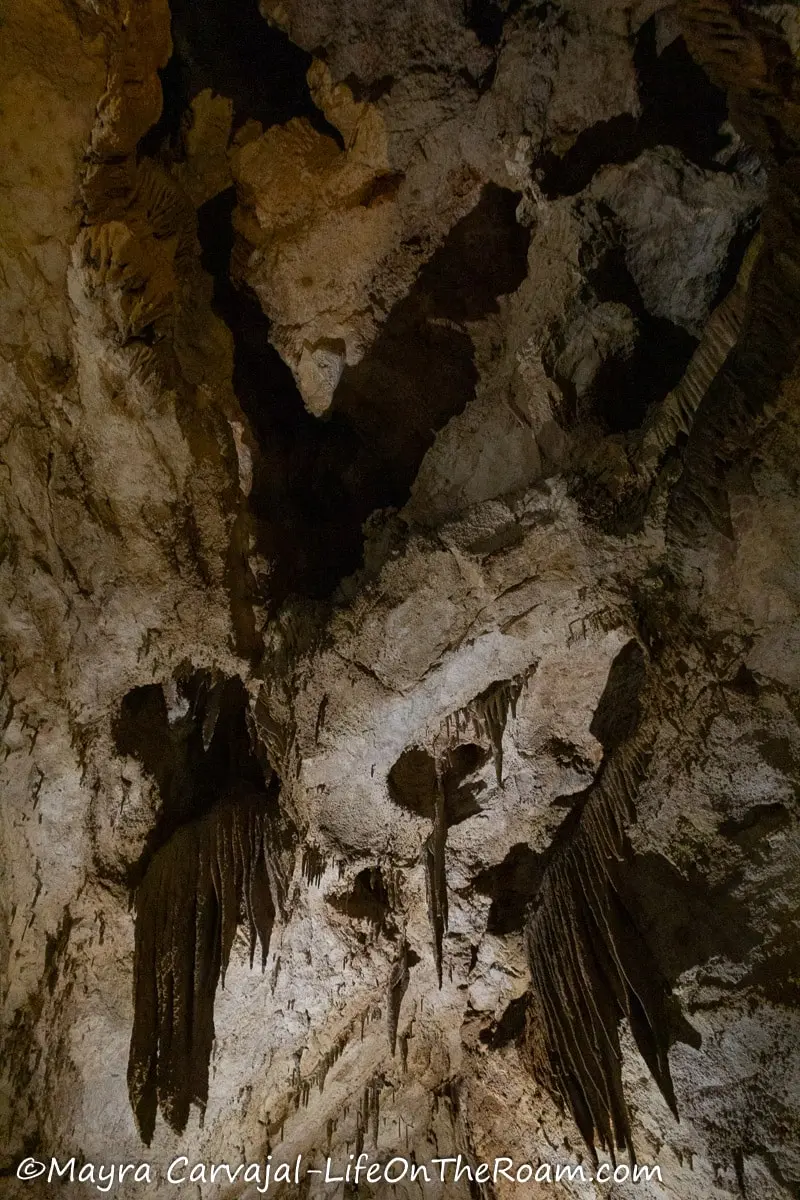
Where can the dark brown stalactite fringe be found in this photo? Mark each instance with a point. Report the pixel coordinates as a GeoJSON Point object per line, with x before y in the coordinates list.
{"type": "Point", "coordinates": [590, 968]}
{"type": "Point", "coordinates": [747, 54]}
{"type": "Point", "coordinates": [188, 906]}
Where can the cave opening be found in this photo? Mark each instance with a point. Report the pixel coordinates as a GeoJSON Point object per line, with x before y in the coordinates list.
{"type": "Point", "coordinates": [488, 18]}
{"type": "Point", "coordinates": [367, 900]}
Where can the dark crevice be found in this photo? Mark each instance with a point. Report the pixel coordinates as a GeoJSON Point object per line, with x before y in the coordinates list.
{"type": "Point", "coordinates": [626, 386]}
{"type": "Point", "coordinates": [512, 885]}
{"type": "Point", "coordinates": [194, 755]}
{"type": "Point", "coordinates": [680, 107]}
{"type": "Point", "coordinates": [619, 708]}
{"type": "Point", "coordinates": [413, 784]}
{"type": "Point", "coordinates": [367, 900]}
{"type": "Point", "coordinates": [227, 46]}
{"type": "Point", "coordinates": [488, 18]}
{"type": "Point", "coordinates": [318, 480]}
{"type": "Point", "coordinates": [733, 261]}
{"type": "Point", "coordinates": [372, 92]}
{"type": "Point", "coordinates": [508, 1030]}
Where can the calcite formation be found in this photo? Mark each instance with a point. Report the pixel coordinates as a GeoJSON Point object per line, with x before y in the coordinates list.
{"type": "Point", "coordinates": [400, 581]}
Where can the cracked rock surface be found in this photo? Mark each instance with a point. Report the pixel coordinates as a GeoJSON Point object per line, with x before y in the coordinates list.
{"type": "Point", "coordinates": [400, 589]}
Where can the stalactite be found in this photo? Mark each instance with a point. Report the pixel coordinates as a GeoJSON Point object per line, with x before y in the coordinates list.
{"type": "Point", "coordinates": [368, 1114]}
{"type": "Point", "coordinates": [301, 1089]}
{"type": "Point", "coordinates": [398, 985]}
{"type": "Point", "coordinates": [314, 865]}
{"type": "Point", "coordinates": [403, 1041]}
{"type": "Point", "coordinates": [491, 708]}
{"type": "Point", "coordinates": [743, 394]}
{"type": "Point", "coordinates": [590, 967]}
{"type": "Point", "coordinates": [676, 415]}
{"type": "Point", "coordinates": [488, 715]}
{"type": "Point", "coordinates": [187, 910]}
{"type": "Point", "coordinates": [375, 1107]}
{"type": "Point", "coordinates": [436, 875]}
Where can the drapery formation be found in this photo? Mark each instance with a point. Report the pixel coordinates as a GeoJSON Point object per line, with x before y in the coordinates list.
{"type": "Point", "coordinates": [199, 886]}
{"type": "Point", "coordinates": [590, 968]}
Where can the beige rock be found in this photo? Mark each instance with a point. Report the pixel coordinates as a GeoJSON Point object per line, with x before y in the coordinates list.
{"type": "Point", "coordinates": [524, 613]}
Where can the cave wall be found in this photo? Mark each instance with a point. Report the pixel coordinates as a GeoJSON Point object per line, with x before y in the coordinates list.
{"type": "Point", "coordinates": [400, 564]}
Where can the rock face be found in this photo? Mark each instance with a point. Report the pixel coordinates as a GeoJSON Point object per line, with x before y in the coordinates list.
{"type": "Point", "coordinates": [400, 579]}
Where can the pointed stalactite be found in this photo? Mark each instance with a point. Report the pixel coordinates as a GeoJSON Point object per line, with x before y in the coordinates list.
{"type": "Point", "coordinates": [436, 874]}
{"type": "Point", "coordinates": [488, 713]}
{"type": "Point", "coordinates": [314, 865]}
{"type": "Point", "coordinates": [590, 968]}
{"type": "Point", "coordinates": [398, 985]}
{"type": "Point", "coordinates": [375, 1087]}
{"type": "Point", "coordinates": [188, 906]}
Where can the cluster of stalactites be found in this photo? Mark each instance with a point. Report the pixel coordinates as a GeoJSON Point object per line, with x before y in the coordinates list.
{"type": "Point", "coordinates": [488, 715]}
{"type": "Point", "coordinates": [197, 887]}
{"type": "Point", "coordinates": [590, 968]}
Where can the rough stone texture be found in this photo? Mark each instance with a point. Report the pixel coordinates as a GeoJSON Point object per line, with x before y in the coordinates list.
{"type": "Point", "coordinates": [413, 487]}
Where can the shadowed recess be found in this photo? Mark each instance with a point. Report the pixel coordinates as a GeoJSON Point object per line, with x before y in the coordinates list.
{"type": "Point", "coordinates": [685, 919]}
{"type": "Point", "coordinates": [412, 782]}
{"type": "Point", "coordinates": [625, 387]}
{"type": "Point", "coordinates": [680, 106]}
{"type": "Point", "coordinates": [227, 46]}
{"type": "Point", "coordinates": [317, 480]}
{"type": "Point", "coordinates": [619, 707]}
{"type": "Point", "coordinates": [192, 746]}
{"type": "Point", "coordinates": [512, 885]}
{"type": "Point", "coordinates": [488, 17]}
{"type": "Point", "coordinates": [367, 899]}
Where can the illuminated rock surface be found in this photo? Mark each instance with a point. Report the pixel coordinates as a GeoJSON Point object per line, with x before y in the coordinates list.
{"type": "Point", "coordinates": [400, 582]}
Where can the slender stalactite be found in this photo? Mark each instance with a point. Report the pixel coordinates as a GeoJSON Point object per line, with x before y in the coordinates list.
{"type": "Point", "coordinates": [398, 985]}
{"type": "Point", "coordinates": [199, 885]}
{"type": "Point", "coordinates": [436, 874]}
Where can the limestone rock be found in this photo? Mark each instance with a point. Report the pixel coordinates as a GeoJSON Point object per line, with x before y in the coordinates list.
{"type": "Point", "coordinates": [399, 574]}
